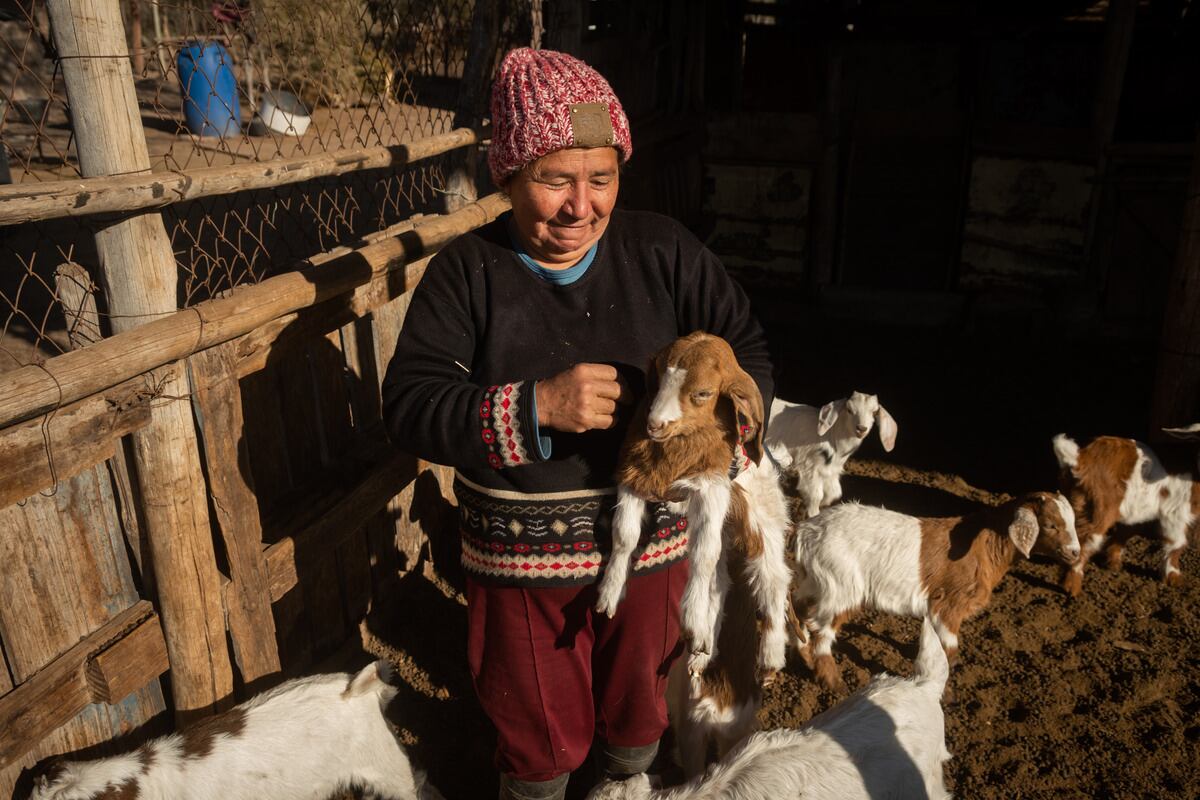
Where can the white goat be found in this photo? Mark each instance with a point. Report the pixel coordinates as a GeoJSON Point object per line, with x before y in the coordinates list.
{"type": "Point", "coordinates": [817, 443]}
{"type": "Point", "coordinates": [702, 410]}
{"type": "Point", "coordinates": [1115, 480]}
{"type": "Point", "coordinates": [306, 739]}
{"type": "Point", "coordinates": [886, 740]}
{"type": "Point", "coordinates": [853, 556]}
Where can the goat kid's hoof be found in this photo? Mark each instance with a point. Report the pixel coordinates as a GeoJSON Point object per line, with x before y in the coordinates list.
{"type": "Point", "coordinates": [773, 657]}
{"type": "Point", "coordinates": [807, 657]}
{"type": "Point", "coordinates": [607, 602]}
{"type": "Point", "coordinates": [805, 652]}
{"type": "Point", "coordinates": [607, 608]}
{"type": "Point", "coordinates": [837, 686]}
{"type": "Point", "coordinates": [829, 677]}
{"type": "Point", "coordinates": [697, 663]}
{"type": "Point", "coordinates": [1173, 579]}
{"type": "Point", "coordinates": [701, 647]}
{"type": "Point", "coordinates": [1114, 557]}
{"type": "Point", "coordinates": [766, 677]}
{"type": "Point", "coordinates": [1072, 583]}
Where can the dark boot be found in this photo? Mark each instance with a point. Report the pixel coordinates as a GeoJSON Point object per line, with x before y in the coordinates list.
{"type": "Point", "coordinates": [553, 789]}
{"type": "Point", "coordinates": [618, 763]}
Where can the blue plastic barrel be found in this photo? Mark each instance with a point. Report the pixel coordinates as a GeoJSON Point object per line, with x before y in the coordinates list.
{"type": "Point", "coordinates": [210, 99]}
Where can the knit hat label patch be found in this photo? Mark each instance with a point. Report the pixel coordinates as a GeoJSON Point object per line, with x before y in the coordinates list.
{"type": "Point", "coordinates": [591, 125]}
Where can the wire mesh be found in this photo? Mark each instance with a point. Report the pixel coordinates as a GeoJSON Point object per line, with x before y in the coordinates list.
{"type": "Point", "coordinates": [225, 83]}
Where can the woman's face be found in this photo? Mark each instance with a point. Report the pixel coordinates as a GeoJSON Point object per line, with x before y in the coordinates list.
{"type": "Point", "coordinates": [562, 201]}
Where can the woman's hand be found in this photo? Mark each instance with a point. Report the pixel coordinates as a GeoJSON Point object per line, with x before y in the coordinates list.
{"type": "Point", "coordinates": [582, 398]}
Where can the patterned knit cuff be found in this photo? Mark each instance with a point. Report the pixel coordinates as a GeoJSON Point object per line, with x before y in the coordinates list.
{"type": "Point", "coordinates": [741, 459]}
{"type": "Point", "coordinates": [544, 445]}
{"type": "Point", "coordinates": [507, 421]}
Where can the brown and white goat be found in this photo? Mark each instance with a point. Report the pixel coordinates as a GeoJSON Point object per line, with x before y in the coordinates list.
{"type": "Point", "coordinates": [714, 710]}
{"type": "Point", "coordinates": [702, 409]}
{"type": "Point", "coordinates": [717, 708]}
{"type": "Point", "coordinates": [307, 739]}
{"type": "Point", "coordinates": [1115, 480]}
{"type": "Point", "coordinates": [852, 556]}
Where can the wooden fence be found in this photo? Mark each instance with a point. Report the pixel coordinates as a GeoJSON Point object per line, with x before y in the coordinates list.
{"type": "Point", "coordinates": [207, 493]}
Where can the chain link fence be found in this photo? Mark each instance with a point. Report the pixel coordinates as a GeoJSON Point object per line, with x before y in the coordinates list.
{"type": "Point", "coordinates": [226, 83]}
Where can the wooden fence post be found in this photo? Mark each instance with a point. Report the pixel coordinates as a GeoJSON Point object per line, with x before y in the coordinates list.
{"type": "Point", "coordinates": [218, 398]}
{"type": "Point", "coordinates": [74, 287]}
{"type": "Point", "coordinates": [135, 37]}
{"type": "Point", "coordinates": [139, 276]}
{"type": "Point", "coordinates": [76, 296]}
{"type": "Point", "coordinates": [1176, 399]}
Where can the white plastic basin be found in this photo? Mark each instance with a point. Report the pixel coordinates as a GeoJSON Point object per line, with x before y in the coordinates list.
{"type": "Point", "coordinates": [283, 112]}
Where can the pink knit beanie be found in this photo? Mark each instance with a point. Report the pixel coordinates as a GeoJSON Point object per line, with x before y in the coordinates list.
{"type": "Point", "coordinates": [545, 101]}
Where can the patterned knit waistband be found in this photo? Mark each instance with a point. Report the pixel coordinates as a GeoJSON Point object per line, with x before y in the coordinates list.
{"type": "Point", "coordinates": [554, 539]}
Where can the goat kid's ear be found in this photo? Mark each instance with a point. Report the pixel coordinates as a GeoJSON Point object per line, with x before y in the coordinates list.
{"type": "Point", "coordinates": [748, 410]}
{"type": "Point", "coordinates": [826, 417]}
{"type": "Point", "coordinates": [887, 428]}
{"type": "Point", "coordinates": [1024, 530]}
{"type": "Point", "coordinates": [367, 678]}
{"type": "Point", "coordinates": [652, 377]}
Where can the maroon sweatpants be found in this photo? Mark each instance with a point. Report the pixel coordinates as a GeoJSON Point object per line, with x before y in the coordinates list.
{"type": "Point", "coordinates": [552, 674]}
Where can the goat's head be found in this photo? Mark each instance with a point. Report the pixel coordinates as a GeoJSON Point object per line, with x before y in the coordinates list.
{"type": "Point", "coordinates": [697, 382]}
{"type": "Point", "coordinates": [859, 412]}
{"type": "Point", "coordinates": [47, 777]}
{"type": "Point", "coordinates": [61, 779]}
{"type": "Point", "coordinates": [1047, 521]}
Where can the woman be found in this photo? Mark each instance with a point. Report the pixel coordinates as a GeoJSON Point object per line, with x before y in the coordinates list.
{"type": "Point", "coordinates": [522, 350]}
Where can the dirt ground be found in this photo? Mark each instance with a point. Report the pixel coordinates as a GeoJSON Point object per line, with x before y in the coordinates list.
{"type": "Point", "coordinates": [1097, 697]}
{"type": "Point", "coordinates": [1052, 697]}
{"type": "Point", "coordinates": [1094, 697]}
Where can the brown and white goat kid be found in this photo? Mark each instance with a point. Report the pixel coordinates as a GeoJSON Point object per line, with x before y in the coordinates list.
{"type": "Point", "coordinates": [306, 739]}
{"type": "Point", "coordinates": [701, 409]}
{"type": "Point", "coordinates": [714, 710]}
{"type": "Point", "coordinates": [1115, 480]}
{"type": "Point", "coordinates": [852, 556]}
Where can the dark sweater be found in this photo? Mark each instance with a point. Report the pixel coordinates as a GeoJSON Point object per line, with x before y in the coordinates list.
{"type": "Point", "coordinates": [482, 329]}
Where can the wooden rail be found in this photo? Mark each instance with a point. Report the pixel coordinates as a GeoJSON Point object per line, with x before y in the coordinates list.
{"type": "Point", "coordinates": [36, 389]}
{"type": "Point", "coordinates": [123, 655]}
{"type": "Point", "coordinates": [387, 471]}
{"type": "Point", "coordinates": [145, 191]}
{"type": "Point", "coordinates": [38, 453]}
